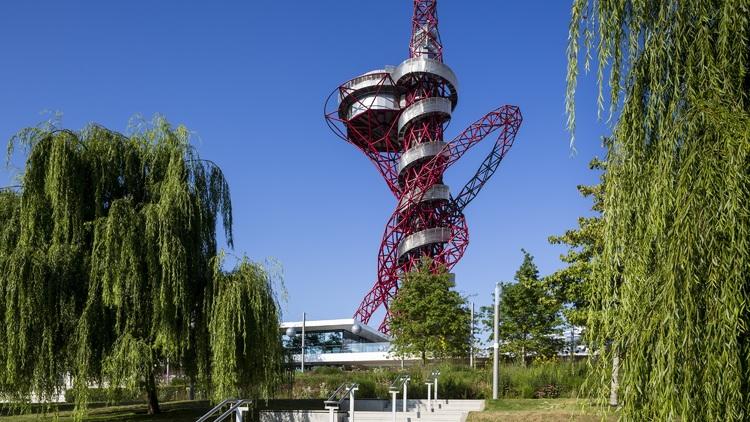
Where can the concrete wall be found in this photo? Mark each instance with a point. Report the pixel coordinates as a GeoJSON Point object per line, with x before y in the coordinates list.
{"type": "Point", "coordinates": [300, 416]}
{"type": "Point", "coordinates": [369, 405]}
{"type": "Point", "coordinates": [377, 405]}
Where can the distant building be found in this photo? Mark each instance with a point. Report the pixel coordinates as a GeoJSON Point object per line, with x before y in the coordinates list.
{"type": "Point", "coordinates": [338, 342]}
{"type": "Point", "coordinates": [572, 338]}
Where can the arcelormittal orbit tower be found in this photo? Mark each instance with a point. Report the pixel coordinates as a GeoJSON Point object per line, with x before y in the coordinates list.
{"type": "Point", "coordinates": [396, 116]}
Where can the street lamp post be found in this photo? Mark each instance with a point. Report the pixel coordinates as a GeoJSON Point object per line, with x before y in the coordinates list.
{"type": "Point", "coordinates": [304, 319]}
{"type": "Point", "coordinates": [495, 344]}
{"type": "Point", "coordinates": [291, 332]}
{"type": "Point", "coordinates": [471, 338]}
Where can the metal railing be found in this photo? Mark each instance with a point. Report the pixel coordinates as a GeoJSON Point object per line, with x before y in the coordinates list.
{"type": "Point", "coordinates": [401, 382]}
{"type": "Point", "coordinates": [398, 383]}
{"type": "Point", "coordinates": [345, 390]}
{"type": "Point", "coordinates": [432, 381]}
{"type": "Point", "coordinates": [214, 410]}
{"type": "Point", "coordinates": [236, 407]}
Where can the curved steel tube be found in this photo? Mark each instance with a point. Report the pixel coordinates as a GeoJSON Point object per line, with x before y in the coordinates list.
{"type": "Point", "coordinates": [421, 109]}
{"type": "Point", "coordinates": [377, 83]}
{"type": "Point", "coordinates": [419, 152]}
{"type": "Point", "coordinates": [374, 101]}
{"type": "Point", "coordinates": [435, 193]}
{"type": "Point", "coordinates": [423, 238]}
{"type": "Point", "coordinates": [423, 64]}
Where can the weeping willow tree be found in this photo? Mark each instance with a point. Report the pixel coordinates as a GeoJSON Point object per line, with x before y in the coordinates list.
{"type": "Point", "coordinates": [246, 352]}
{"type": "Point", "coordinates": [673, 294]}
{"type": "Point", "coordinates": [109, 267]}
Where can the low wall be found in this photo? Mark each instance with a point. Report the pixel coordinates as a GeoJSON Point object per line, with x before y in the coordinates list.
{"type": "Point", "coordinates": [379, 405]}
{"type": "Point", "coordinates": [300, 416]}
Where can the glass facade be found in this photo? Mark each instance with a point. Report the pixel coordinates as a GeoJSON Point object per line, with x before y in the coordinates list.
{"type": "Point", "coordinates": [333, 341]}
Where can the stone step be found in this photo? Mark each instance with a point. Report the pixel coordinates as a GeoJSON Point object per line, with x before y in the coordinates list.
{"type": "Point", "coordinates": [439, 415]}
{"type": "Point", "coordinates": [380, 411]}
{"type": "Point", "coordinates": [417, 404]}
{"type": "Point", "coordinates": [438, 406]}
{"type": "Point", "coordinates": [457, 416]}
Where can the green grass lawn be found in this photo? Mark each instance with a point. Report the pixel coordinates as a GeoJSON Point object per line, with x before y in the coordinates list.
{"type": "Point", "coordinates": [180, 411]}
{"type": "Point", "coordinates": [537, 410]}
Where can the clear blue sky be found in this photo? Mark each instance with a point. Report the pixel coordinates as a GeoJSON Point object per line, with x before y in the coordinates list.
{"type": "Point", "coordinates": [250, 78]}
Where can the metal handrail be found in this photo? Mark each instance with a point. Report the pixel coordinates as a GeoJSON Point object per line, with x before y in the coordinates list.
{"type": "Point", "coordinates": [231, 410]}
{"type": "Point", "coordinates": [398, 383]}
{"type": "Point", "coordinates": [215, 408]}
{"type": "Point", "coordinates": [346, 388]}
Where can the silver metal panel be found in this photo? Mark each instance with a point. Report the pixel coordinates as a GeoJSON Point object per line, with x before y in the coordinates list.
{"type": "Point", "coordinates": [423, 108]}
{"type": "Point", "coordinates": [372, 102]}
{"type": "Point", "coordinates": [368, 80]}
{"type": "Point", "coordinates": [423, 238]}
{"type": "Point", "coordinates": [423, 64]}
{"type": "Point", "coordinates": [419, 152]}
{"type": "Point", "coordinates": [435, 193]}
{"type": "Point", "coordinates": [363, 90]}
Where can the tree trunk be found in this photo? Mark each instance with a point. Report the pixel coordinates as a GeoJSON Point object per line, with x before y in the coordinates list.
{"type": "Point", "coordinates": [572, 343]}
{"type": "Point", "coordinates": [615, 384]}
{"type": "Point", "coordinates": [153, 399]}
{"type": "Point", "coordinates": [424, 358]}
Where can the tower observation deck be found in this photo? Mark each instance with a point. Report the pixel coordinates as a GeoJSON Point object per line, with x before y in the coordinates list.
{"type": "Point", "coordinates": [397, 116]}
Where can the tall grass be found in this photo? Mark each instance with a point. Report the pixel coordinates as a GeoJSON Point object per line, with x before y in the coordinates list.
{"type": "Point", "coordinates": [540, 380]}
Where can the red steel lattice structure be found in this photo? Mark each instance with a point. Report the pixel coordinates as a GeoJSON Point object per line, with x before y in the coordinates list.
{"type": "Point", "coordinates": [396, 116]}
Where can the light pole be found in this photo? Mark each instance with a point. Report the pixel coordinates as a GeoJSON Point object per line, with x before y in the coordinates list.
{"type": "Point", "coordinates": [495, 344]}
{"type": "Point", "coordinates": [304, 319]}
{"type": "Point", "coordinates": [291, 332]}
{"type": "Point", "coordinates": [471, 338]}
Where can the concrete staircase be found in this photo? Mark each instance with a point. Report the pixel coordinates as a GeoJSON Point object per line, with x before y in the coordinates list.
{"type": "Point", "coordinates": [444, 411]}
